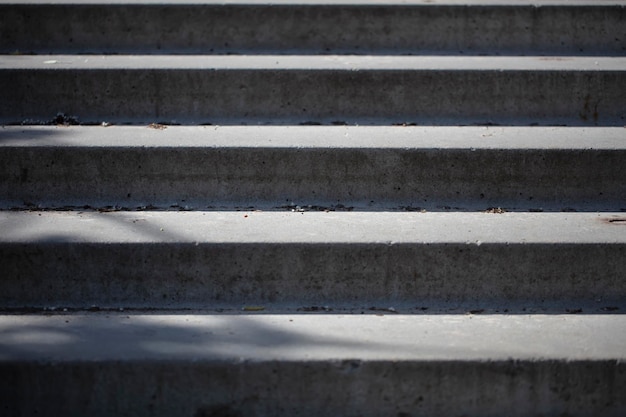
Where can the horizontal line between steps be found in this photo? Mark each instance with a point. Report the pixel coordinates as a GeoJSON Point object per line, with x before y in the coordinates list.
{"type": "Point", "coordinates": [535, 3]}
{"type": "Point", "coordinates": [78, 337]}
{"type": "Point", "coordinates": [312, 62]}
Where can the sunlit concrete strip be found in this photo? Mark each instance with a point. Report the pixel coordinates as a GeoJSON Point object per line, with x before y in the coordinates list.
{"type": "Point", "coordinates": [304, 137]}
{"type": "Point", "coordinates": [311, 337]}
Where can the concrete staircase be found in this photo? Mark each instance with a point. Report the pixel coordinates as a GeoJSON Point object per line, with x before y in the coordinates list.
{"type": "Point", "coordinates": [354, 208]}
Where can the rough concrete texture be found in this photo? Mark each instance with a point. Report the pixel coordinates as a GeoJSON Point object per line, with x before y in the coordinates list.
{"type": "Point", "coordinates": [305, 89]}
{"type": "Point", "coordinates": [312, 365]}
{"type": "Point", "coordinates": [143, 308]}
{"type": "Point", "coordinates": [457, 27]}
{"type": "Point", "coordinates": [69, 337]}
{"type": "Point", "coordinates": [401, 136]}
{"type": "Point", "coordinates": [212, 259]}
{"type": "Point", "coordinates": [401, 168]}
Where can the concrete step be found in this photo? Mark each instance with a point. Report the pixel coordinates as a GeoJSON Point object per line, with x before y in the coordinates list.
{"type": "Point", "coordinates": [214, 259]}
{"type": "Point", "coordinates": [274, 167]}
{"type": "Point", "coordinates": [314, 89]}
{"type": "Point", "coordinates": [554, 27]}
{"type": "Point", "coordinates": [312, 365]}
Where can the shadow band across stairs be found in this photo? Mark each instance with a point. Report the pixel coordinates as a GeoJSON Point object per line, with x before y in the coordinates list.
{"type": "Point", "coordinates": [193, 224]}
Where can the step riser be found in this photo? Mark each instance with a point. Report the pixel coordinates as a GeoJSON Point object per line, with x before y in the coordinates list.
{"type": "Point", "coordinates": [213, 275]}
{"type": "Point", "coordinates": [342, 388]}
{"type": "Point", "coordinates": [503, 29]}
{"type": "Point", "coordinates": [208, 177]}
{"type": "Point", "coordinates": [297, 95]}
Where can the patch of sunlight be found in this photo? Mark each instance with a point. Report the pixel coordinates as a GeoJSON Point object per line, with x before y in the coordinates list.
{"type": "Point", "coordinates": [39, 337]}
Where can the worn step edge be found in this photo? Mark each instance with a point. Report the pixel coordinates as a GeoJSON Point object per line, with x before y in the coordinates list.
{"type": "Point", "coordinates": [313, 89]}
{"type": "Point", "coordinates": [208, 259]}
{"type": "Point", "coordinates": [269, 167]}
{"type": "Point", "coordinates": [470, 27]}
{"type": "Point", "coordinates": [312, 365]}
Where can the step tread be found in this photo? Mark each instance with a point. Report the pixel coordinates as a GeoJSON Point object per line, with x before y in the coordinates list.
{"type": "Point", "coordinates": [316, 137]}
{"type": "Point", "coordinates": [314, 227]}
{"type": "Point", "coordinates": [310, 338]}
{"type": "Point", "coordinates": [313, 62]}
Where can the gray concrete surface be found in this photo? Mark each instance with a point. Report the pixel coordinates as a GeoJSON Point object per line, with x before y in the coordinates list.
{"type": "Point", "coordinates": [445, 27]}
{"type": "Point", "coordinates": [268, 167]}
{"type": "Point", "coordinates": [225, 365]}
{"type": "Point", "coordinates": [317, 137]}
{"type": "Point", "coordinates": [133, 309]}
{"type": "Point", "coordinates": [212, 259]}
{"type": "Point", "coordinates": [301, 89]}
{"type": "Point", "coordinates": [85, 337]}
